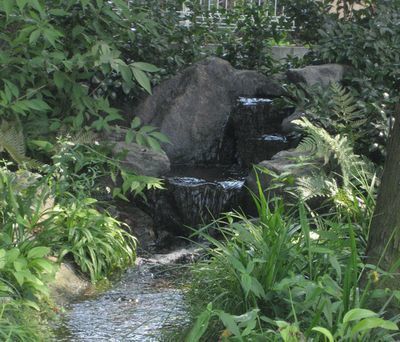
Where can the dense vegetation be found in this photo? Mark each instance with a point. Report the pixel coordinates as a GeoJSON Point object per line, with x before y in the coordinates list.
{"type": "Point", "coordinates": [294, 272]}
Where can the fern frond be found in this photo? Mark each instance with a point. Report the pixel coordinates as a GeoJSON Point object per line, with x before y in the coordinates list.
{"type": "Point", "coordinates": [320, 143]}
{"type": "Point", "coordinates": [12, 141]}
{"type": "Point", "coordinates": [312, 186]}
{"type": "Point", "coordinates": [344, 105]}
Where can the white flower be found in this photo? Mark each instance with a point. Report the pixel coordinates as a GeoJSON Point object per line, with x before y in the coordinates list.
{"type": "Point", "coordinates": [385, 95]}
{"type": "Point", "coordinates": [96, 143]}
{"type": "Point", "coordinates": [108, 189]}
{"type": "Point", "coordinates": [314, 236]}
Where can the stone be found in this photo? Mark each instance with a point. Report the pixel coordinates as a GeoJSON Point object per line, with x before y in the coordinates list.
{"type": "Point", "coordinates": [139, 159]}
{"type": "Point", "coordinates": [140, 224]}
{"type": "Point", "coordinates": [287, 125]}
{"type": "Point", "coordinates": [321, 75]}
{"type": "Point", "coordinates": [193, 107]}
{"type": "Point", "coordinates": [256, 123]}
{"type": "Point", "coordinates": [285, 162]}
{"type": "Point", "coordinates": [67, 285]}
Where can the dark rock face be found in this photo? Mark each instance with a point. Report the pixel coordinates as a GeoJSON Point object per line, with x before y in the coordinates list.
{"type": "Point", "coordinates": [140, 224]}
{"type": "Point", "coordinates": [317, 74]}
{"type": "Point", "coordinates": [193, 107]}
{"type": "Point", "coordinates": [257, 129]}
{"type": "Point", "coordinates": [194, 199]}
{"type": "Point", "coordinates": [139, 159]}
{"type": "Point", "coordinates": [288, 126]}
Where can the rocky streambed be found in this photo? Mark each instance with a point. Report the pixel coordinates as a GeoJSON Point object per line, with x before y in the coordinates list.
{"type": "Point", "coordinates": [146, 304]}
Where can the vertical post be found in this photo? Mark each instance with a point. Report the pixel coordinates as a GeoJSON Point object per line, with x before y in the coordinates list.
{"type": "Point", "coordinates": [276, 8]}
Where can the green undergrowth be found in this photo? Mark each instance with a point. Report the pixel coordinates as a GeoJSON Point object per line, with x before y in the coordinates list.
{"type": "Point", "coordinates": [289, 276]}
{"type": "Point", "coordinates": [298, 271]}
{"type": "Point", "coordinates": [40, 226]}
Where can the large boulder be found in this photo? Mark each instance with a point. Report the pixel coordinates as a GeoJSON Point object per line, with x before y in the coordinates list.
{"type": "Point", "coordinates": [317, 74]}
{"type": "Point", "coordinates": [137, 158]}
{"type": "Point", "coordinates": [193, 107]}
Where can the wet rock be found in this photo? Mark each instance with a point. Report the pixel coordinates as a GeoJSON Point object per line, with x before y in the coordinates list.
{"type": "Point", "coordinates": [257, 129]}
{"type": "Point", "coordinates": [292, 163]}
{"type": "Point", "coordinates": [140, 159]}
{"type": "Point", "coordinates": [193, 107]}
{"type": "Point", "coordinates": [140, 224]}
{"type": "Point", "coordinates": [288, 126]}
{"type": "Point", "coordinates": [67, 285]}
{"type": "Point", "coordinates": [318, 74]}
{"type": "Point", "coordinates": [193, 197]}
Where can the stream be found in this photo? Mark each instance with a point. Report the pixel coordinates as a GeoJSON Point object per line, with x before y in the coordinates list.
{"type": "Point", "coordinates": [146, 304]}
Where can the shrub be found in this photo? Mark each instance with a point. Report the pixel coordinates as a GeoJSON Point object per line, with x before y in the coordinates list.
{"type": "Point", "coordinates": [369, 42]}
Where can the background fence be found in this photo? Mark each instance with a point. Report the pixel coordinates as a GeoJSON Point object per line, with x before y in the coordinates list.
{"type": "Point", "coordinates": [214, 11]}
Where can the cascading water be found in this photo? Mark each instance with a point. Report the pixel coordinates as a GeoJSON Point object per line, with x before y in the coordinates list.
{"type": "Point", "coordinates": [257, 129]}
{"type": "Point", "coordinates": [195, 195]}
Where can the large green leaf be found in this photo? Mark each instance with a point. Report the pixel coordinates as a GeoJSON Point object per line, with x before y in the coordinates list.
{"type": "Point", "coordinates": [142, 79]}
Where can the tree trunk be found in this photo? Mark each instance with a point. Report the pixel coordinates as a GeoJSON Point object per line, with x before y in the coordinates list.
{"type": "Point", "coordinates": [384, 238]}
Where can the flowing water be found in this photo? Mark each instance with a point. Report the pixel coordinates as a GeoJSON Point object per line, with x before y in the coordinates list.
{"type": "Point", "coordinates": [194, 196]}
{"type": "Point", "coordinates": [146, 305]}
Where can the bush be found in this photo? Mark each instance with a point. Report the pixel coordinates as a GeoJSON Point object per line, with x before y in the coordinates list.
{"type": "Point", "coordinates": [291, 273]}
{"type": "Point", "coordinates": [369, 43]}
{"type": "Point", "coordinates": [76, 61]}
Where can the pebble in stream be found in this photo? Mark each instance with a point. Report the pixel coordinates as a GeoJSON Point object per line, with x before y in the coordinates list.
{"type": "Point", "coordinates": [141, 307]}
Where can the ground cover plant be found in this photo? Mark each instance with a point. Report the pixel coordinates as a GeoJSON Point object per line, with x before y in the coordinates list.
{"type": "Point", "coordinates": [295, 274]}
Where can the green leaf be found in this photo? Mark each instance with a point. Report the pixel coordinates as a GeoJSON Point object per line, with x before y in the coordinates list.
{"type": "Point", "coordinates": [45, 265]}
{"type": "Point", "coordinates": [2, 258]}
{"type": "Point", "coordinates": [153, 143]}
{"type": "Point", "coordinates": [324, 332]}
{"type": "Point", "coordinates": [145, 66]}
{"type": "Point", "coordinates": [38, 252]}
{"type": "Point", "coordinates": [34, 36]}
{"type": "Point", "coordinates": [8, 6]}
{"type": "Point", "coordinates": [357, 314]}
{"type": "Point", "coordinates": [126, 74]}
{"type": "Point", "coordinates": [59, 78]}
{"type": "Point", "coordinates": [142, 79]}
{"type": "Point", "coordinates": [136, 122]}
{"type": "Point", "coordinates": [230, 323]}
{"type": "Point", "coordinates": [32, 304]}
{"type": "Point", "coordinates": [13, 88]}
{"type": "Point", "coordinates": [160, 137]}
{"type": "Point", "coordinates": [21, 4]}
{"type": "Point", "coordinates": [129, 136]}
{"type": "Point", "coordinates": [19, 276]}
{"type": "Point", "coordinates": [372, 323]}
{"type": "Point", "coordinates": [38, 105]}
{"type": "Point", "coordinates": [44, 145]}
{"type": "Point", "coordinates": [36, 5]}
{"type": "Point", "coordinates": [12, 255]}
{"type": "Point", "coordinates": [200, 326]}
{"type": "Point", "coordinates": [58, 12]}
